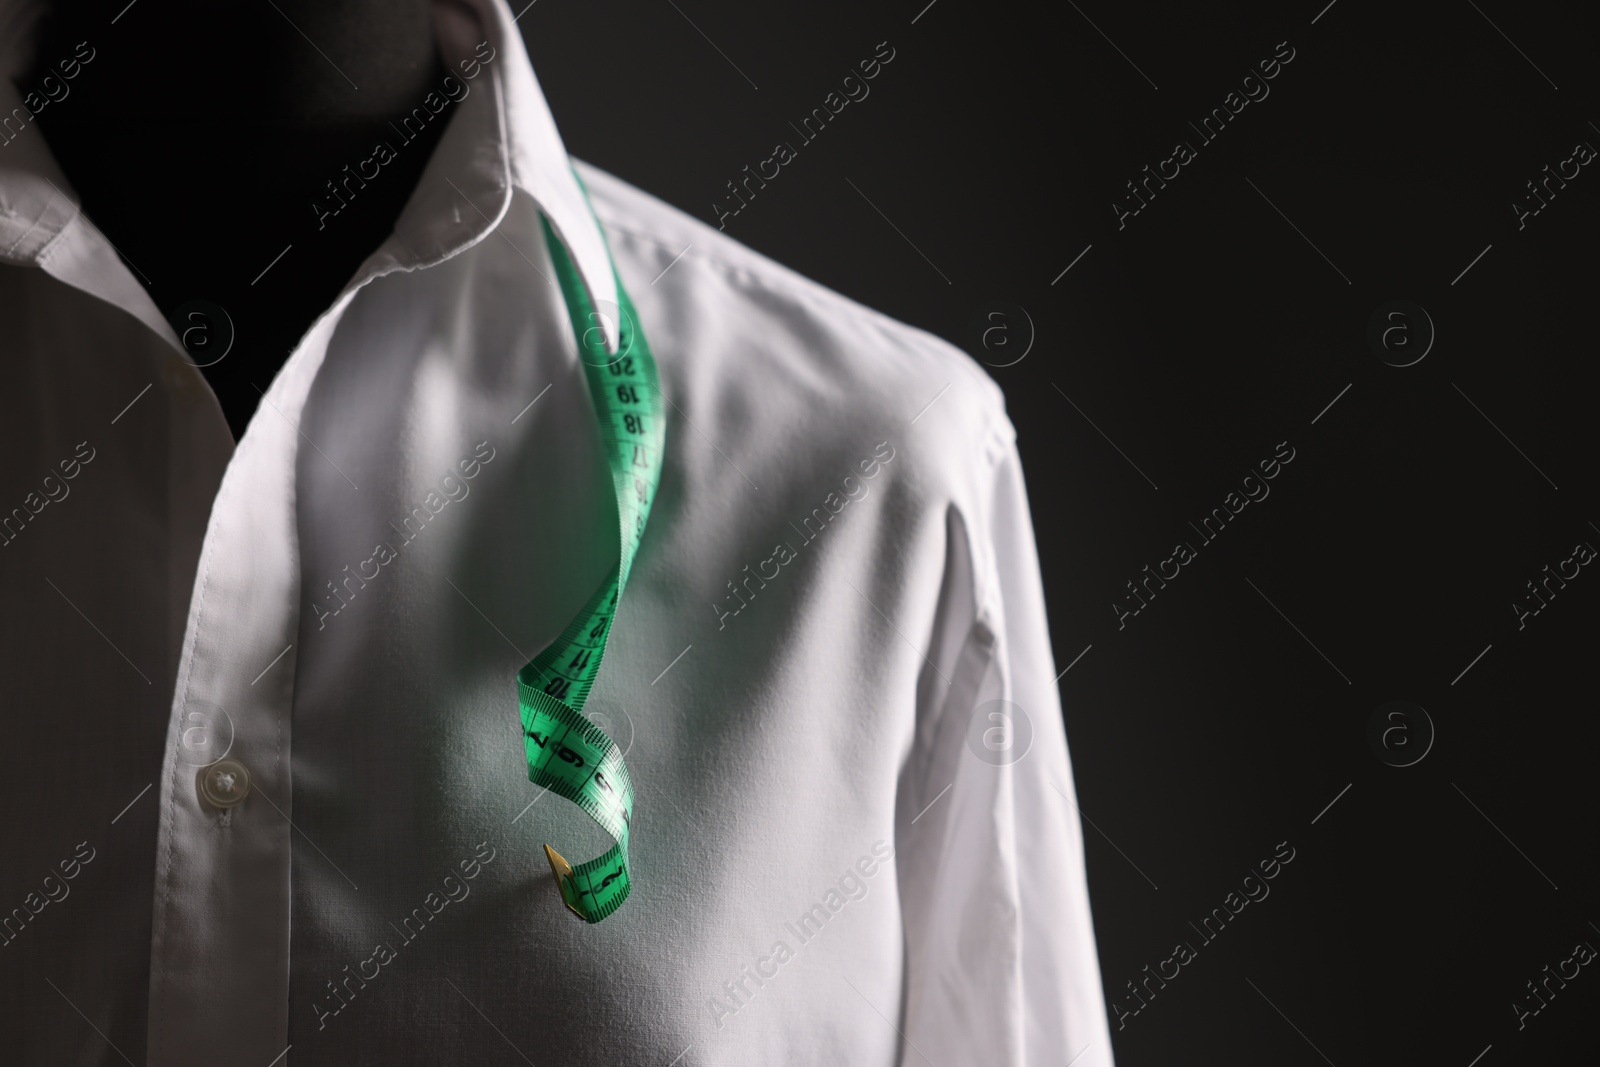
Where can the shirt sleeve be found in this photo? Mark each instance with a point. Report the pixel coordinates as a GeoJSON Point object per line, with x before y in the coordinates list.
{"type": "Point", "coordinates": [1001, 961]}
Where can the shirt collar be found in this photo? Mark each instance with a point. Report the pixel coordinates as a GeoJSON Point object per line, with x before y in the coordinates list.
{"type": "Point", "coordinates": [501, 138]}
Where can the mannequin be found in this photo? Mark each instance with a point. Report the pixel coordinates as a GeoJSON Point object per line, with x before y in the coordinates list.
{"type": "Point", "coordinates": [201, 137]}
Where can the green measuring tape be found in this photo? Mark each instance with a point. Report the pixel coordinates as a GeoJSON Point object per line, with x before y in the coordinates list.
{"type": "Point", "coordinates": [568, 754]}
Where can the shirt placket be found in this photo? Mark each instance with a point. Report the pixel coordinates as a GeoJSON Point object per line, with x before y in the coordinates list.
{"type": "Point", "coordinates": [219, 971]}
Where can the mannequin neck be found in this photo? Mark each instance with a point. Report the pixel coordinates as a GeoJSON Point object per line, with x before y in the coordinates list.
{"type": "Point", "coordinates": [204, 138]}
{"type": "Point", "coordinates": [301, 65]}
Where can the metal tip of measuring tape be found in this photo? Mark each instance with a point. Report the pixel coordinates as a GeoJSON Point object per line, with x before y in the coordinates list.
{"type": "Point", "coordinates": [563, 875]}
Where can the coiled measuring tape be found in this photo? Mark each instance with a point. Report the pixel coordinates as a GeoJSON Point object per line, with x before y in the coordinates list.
{"type": "Point", "coordinates": [568, 754]}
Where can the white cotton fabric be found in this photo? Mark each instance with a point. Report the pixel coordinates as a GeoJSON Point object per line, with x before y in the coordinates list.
{"type": "Point", "coordinates": [798, 725]}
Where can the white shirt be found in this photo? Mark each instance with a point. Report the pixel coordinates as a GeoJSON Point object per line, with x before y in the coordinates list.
{"type": "Point", "coordinates": [843, 851]}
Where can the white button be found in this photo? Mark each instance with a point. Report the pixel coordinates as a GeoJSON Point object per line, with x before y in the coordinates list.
{"type": "Point", "coordinates": [225, 783]}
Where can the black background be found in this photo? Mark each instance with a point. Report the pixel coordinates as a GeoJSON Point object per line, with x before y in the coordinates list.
{"type": "Point", "coordinates": [1216, 724]}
